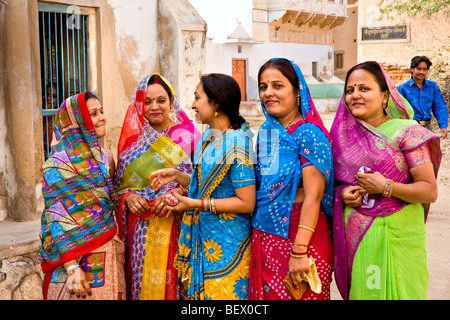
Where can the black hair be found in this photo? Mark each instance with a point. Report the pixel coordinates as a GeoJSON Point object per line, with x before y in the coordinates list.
{"type": "Point", "coordinates": [89, 95]}
{"type": "Point", "coordinates": [223, 90]}
{"type": "Point", "coordinates": [373, 68]}
{"type": "Point", "coordinates": [285, 67]}
{"type": "Point", "coordinates": [418, 59]}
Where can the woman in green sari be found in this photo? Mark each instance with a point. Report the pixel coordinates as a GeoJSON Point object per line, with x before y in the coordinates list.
{"type": "Point", "coordinates": [385, 169]}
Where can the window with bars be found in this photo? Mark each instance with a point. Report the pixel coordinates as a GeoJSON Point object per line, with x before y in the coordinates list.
{"type": "Point", "coordinates": [63, 44]}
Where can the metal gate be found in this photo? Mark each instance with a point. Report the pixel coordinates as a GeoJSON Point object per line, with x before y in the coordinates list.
{"type": "Point", "coordinates": [63, 41]}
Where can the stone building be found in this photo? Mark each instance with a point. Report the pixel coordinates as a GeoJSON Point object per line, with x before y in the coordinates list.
{"type": "Point", "coordinates": [367, 35]}
{"type": "Point", "coordinates": [52, 49]}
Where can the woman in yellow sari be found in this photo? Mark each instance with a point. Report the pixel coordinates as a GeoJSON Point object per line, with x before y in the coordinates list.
{"type": "Point", "coordinates": [156, 134]}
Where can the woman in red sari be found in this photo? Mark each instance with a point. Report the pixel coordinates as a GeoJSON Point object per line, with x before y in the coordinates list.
{"type": "Point", "coordinates": [156, 134]}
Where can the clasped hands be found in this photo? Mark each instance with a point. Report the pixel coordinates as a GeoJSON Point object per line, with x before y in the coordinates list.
{"type": "Point", "coordinates": [368, 183]}
{"type": "Point", "coordinates": [138, 204]}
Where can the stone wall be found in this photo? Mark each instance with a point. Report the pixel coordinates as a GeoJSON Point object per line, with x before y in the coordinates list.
{"type": "Point", "coordinates": [21, 277]}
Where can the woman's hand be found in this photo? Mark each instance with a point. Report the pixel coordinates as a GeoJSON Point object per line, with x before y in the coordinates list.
{"type": "Point", "coordinates": [297, 268]}
{"type": "Point", "coordinates": [162, 177]}
{"type": "Point", "coordinates": [184, 203]}
{"type": "Point", "coordinates": [77, 283]}
{"type": "Point", "coordinates": [371, 182]}
{"type": "Point", "coordinates": [161, 207]}
{"type": "Point", "coordinates": [137, 204]}
{"type": "Point", "coordinates": [351, 196]}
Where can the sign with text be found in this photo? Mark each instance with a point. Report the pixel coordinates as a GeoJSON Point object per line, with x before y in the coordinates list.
{"type": "Point", "coordinates": [399, 32]}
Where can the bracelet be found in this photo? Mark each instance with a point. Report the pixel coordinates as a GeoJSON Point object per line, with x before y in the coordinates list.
{"type": "Point", "coordinates": [207, 204]}
{"type": "Point", "coordinates": [72, 267]}
{"type": "Point", "coordinates": [213, 206]}
{"type": "Point", "coordinates": [305, 227]}
{"type": "Point", "coordinates": [299, 253]}
{"type": "Point", "coordinates": [201, 206]}
{"type": "Point", "coordinates": [299, 245]}
{"type": "Point", "coordinates": [388, 188]}
{"type": "Point", "coordinates": [299, 256]}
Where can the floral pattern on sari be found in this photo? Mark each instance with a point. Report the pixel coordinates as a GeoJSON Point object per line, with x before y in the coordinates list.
{"type": "Point", "coordinates": [214, 249]}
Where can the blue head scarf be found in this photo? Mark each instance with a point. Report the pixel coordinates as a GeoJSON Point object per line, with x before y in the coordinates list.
{"type": "Point", "coordinates": [278, 168]}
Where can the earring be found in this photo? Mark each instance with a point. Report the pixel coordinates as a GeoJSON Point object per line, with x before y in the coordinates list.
{"type": "Point", "coordinates": [216, 114]}
{"type": "Point", "coordinates": [298, 100]}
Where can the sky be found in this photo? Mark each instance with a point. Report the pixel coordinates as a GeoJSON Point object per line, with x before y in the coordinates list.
{"type": "Point", "coordinates": [222, 15]}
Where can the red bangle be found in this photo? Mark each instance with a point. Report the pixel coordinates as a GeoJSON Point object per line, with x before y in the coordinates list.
{"type": "Point", "coordinates": [298, 253]}
{"type": "Point", "coordinates": [201, 206]}
{"type": "Point", "coordinates": [300, 245]}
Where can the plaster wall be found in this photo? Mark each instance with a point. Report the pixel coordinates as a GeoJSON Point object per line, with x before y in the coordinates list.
{"type": "Point", "coordinates": [124, 46]}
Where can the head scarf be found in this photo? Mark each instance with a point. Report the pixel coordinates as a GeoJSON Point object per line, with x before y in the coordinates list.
{"type": "Point", "coordinates": [138, 136]}
{"type": "Point", "coordinates": [78, 214]}
{"type": "Point", "coordinates": [355, 144]}
{"type": "Point", "coordinates": [278, 168]}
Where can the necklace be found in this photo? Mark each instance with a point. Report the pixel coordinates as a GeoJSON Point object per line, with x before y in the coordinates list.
{"type": "Point", "coordinates": [384, 120]}
{"type": "Point", "coordinates": [290, 123]}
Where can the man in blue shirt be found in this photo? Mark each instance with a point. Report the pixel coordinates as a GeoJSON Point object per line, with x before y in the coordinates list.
{"type": "Point", "coordinates": [425, 96]}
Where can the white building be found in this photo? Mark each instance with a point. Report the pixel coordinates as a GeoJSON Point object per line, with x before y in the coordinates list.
{"type": "Point", "coordinates": [301, 31]}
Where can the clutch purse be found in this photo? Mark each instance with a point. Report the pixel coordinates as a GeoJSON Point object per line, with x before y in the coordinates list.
{"type": "Point", "coordinates": [310, 280]}
{"type": "Point", "coordinates": [290, 288]}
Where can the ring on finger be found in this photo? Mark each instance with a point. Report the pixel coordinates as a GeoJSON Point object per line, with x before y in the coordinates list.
{"type": "Point", "coordinates": [298, 278]}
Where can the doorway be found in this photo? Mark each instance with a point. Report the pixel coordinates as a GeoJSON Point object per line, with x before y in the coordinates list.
{"type": "Point", "coordinates": [239, 73]}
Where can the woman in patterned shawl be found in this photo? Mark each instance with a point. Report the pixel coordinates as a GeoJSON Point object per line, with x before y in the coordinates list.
{"type": "Point", "coordinates": [81, 254]}
{"type": "Point", "coordinates": [294, 174]}
{"type": "Point", "coordinates": [156, 134]}
{"type": "Point", "coordinates": [214, 248]}
{"type": "Point", "coordinates": [386, 167]}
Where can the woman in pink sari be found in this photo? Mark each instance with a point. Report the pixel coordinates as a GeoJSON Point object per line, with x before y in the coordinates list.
{"type": "Point", "coordinates": [386, 166]}
{"type": "Point", "coordinates": [156, 134]}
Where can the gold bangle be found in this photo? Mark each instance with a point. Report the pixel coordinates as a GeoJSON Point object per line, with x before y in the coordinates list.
{"type": "Point", "coordinates": [305, 227]}
{"type": "Point", "coordinates": [299, 256]}
{"type": "Point", "coordinates": [213, 206]}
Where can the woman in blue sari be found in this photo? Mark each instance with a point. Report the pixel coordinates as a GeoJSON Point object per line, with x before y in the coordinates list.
{"type": "Point", "coordinates": [294, 178]}
{"type": "Point", "coordinates": [213, 257]}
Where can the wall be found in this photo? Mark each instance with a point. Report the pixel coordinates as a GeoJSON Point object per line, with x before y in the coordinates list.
{"type": "Point", "coordinates": [21, 149]}
{"type": "Point", "coordinates": [345, 39]}
{"type": "Point", "coordinates": [125, 47]}
{"type": "Point", "coordinates": [182, 48]}
{"type": "Point", "coordinates": [427, 35]}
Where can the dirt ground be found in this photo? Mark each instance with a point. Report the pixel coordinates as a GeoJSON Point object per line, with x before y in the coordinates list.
{"type": "Point", "coordinates": [437, 226]}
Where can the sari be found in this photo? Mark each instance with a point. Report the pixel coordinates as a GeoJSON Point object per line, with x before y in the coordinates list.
{"type": "Point", "coordinates": [78, 220]}
{"type": "Point", "coordinates": [380, 251]}
{"type": "Point", "coordinates": [276, 217]}
{"type": "Point", "coordinates": [213, 255]}
{"type": "Point", "coordinates": [150, 241]}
